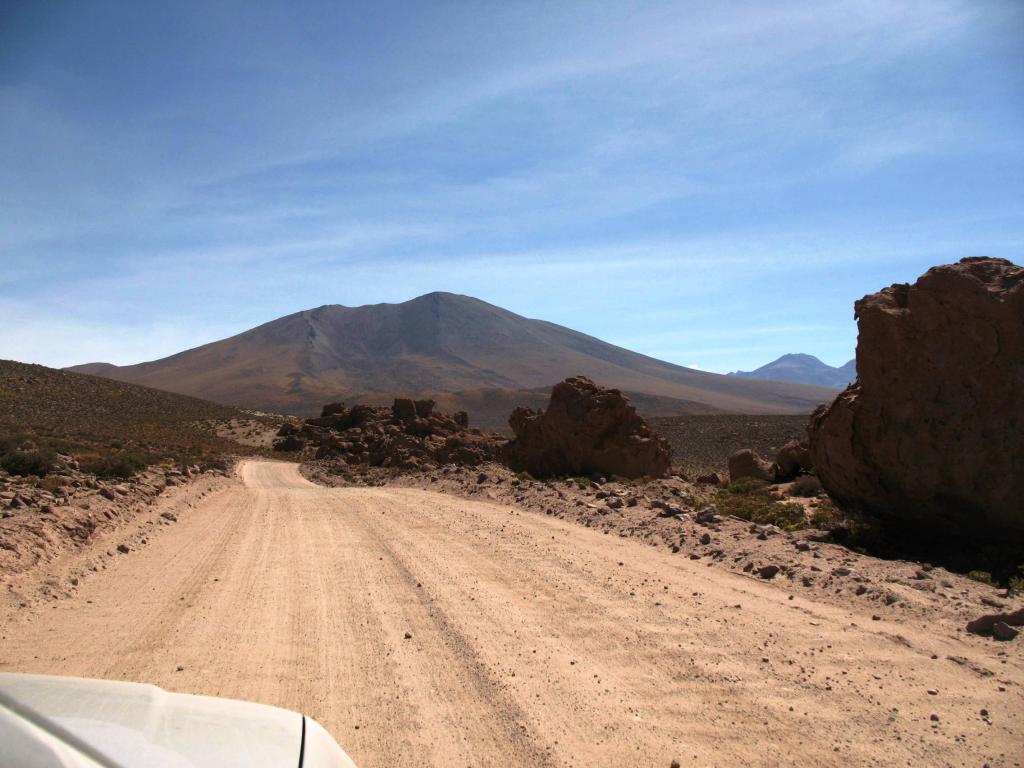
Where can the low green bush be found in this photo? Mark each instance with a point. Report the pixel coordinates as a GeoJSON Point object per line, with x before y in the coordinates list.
{"type": "Point", "coordinates": [751, 500]}
{"type": "Point", "coordinates": [1016, 583]}
{"type": "Point", "coordinates": [120, 465]}
{"type": "Point", "coordinates": [748, 486]}
{"type": "Point", "coordinates": [9, 443]}
{"type": "Point", "coordinates": [983, 576]}
{"type": "Point", "coordinates": [213, 462]}
{"type": "Point", "coordinates": [38, 463]}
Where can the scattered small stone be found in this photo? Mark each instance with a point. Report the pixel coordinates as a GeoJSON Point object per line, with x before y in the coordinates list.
{"type": "Point", "coordinates": [708, 514]}
{"type": "Point", "coordinates": [123, 549]}
{"type": "Point", "coordinates": [408, 635]}
{"type": "Point", "coordinates": [705, 539]}
{"type": "Point", "coordinates": [768, 571]}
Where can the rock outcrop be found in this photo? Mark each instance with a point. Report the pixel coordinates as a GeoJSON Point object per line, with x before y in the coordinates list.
{"type": "Point", "coordinates": [792, 459]}
{"type": "Point", "coordinates": [932, 433]}
{"type": "Point", "coordinates": [408, 435]}
{"type": "Point", "coordinates": [746, 464]}
{"type": "Point", "coordinates": [585, 429]}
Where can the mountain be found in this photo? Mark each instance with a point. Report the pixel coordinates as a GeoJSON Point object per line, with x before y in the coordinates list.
{"type": "Point", "coordinates": [437, 344]}
{"type": "Point", "coordinates": [803, 369]}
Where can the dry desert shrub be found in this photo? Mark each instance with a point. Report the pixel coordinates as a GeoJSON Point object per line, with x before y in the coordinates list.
{"type": "Point", "coordinates": [752, 500]}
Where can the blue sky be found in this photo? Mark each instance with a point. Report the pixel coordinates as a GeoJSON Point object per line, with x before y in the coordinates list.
{"type": "Point", "coordinates": [709, 183]}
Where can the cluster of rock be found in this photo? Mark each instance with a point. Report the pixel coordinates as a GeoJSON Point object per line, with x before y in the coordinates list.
{"type": "Point", "coordinates": [67, 485]}
{"type": "Point", "coordinates": [933, 430]}
{"type": "Point", "coordinates": [792, 460]}
{"type": "Point", "coordinates": [408, 435]}
{"type": "Point", "coordinates": [585, 429]}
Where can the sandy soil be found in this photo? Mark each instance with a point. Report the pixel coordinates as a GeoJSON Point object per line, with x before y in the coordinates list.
{"type": "Point", "coordinates": [426, 629]}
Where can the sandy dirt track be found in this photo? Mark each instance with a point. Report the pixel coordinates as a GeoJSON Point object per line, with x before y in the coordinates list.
{"type": "Point", "coordinates": [530, 641]}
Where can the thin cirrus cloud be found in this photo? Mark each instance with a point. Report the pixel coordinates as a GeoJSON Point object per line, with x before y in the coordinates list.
{"type": "Point", "coordinates": [710, 183]}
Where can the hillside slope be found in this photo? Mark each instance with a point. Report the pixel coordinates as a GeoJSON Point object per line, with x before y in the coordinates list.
{"type": "Point", "coordinates": [442, 343]}
{"type": "Point", "coordinates": [87, 415]}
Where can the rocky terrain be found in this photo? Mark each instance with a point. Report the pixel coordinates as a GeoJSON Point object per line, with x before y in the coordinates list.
{"type": "Point", "coordinates": [408, 435]}
{"type": "Point", "coordinates": [931, 437]}
{"type": "Point", "coordinates": [584, 429]}
{"type": "Point", "coordinates": [489, 407]}
{"type": "Point", "coordinates": [43, 525]}
{"type": "Point", "coordinates": [699, 444]}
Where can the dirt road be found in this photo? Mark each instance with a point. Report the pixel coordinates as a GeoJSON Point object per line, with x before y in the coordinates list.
{"type": "Point", "coordinates": [422, 629]}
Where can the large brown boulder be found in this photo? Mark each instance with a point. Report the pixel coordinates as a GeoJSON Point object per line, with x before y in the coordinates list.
{"type": "Point", "coordinates": [932, 433]}
{"type": "Point", "coordinates": [748, 465]}
{"type": "Point", "coordinates": [404, 408]}
{"type": "Point", "coordinates": [792, 459]}
{"type": "Point", "coordinates": [586, 429]}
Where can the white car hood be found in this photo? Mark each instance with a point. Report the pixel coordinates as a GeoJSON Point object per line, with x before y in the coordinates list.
{"type": "Point", "coordinates": [66, 721]}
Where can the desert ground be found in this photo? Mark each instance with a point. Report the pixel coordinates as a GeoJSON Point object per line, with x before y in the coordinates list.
{"type": "Point", "coordinates": [422, 628]}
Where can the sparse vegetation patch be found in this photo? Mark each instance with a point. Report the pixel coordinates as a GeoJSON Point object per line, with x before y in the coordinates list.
{"type": "Point", "coordinates": [33, 462]}
{"type": "Point", "coordinates": [752, 500]}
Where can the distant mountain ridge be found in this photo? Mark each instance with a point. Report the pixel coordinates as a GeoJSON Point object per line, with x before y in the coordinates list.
{"type": "Point", "coordinates": [441, 344]}
{"type": "Point", "coordinates": [803, 369]}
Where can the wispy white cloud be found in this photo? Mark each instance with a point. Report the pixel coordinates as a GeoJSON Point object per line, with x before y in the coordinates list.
{"type": "Point", "coordinates": [707, 172]}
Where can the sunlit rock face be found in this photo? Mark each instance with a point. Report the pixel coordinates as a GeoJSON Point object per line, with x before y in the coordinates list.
{"type": "Point", "coordinates": [932, 432]}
